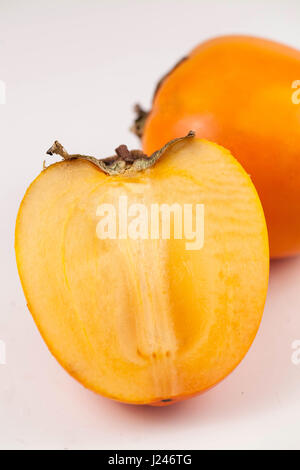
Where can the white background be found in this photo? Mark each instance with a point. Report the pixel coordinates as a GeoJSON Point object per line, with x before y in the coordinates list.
{"type": "Point", "coordinates": [73, 70]}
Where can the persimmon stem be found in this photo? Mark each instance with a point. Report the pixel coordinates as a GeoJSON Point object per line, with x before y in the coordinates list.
{"type": "Point", "coordinates": [139, 123]}
{"type": "Point", "coordinates": [124, 162]}
{"type": "Point", "coordinates": [141, 115]}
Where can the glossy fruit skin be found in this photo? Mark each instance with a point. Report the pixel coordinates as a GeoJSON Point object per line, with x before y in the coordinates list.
{"type": "Point", "coordinates": [145, 321]}
{"type": "Point", "coordinates": [237, 91]}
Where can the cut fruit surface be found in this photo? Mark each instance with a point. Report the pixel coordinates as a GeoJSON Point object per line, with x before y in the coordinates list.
{"type": "Point", "coordinates": [145, 321]}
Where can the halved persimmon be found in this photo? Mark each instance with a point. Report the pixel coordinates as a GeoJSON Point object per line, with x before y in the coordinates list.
{"type": "Point", "coordinates": [140, 319]}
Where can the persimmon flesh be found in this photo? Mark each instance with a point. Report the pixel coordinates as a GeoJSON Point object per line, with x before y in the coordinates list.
{"type": "Point", "coordinates": [238, 92]}
{"type": "Point", "coordinates": [145, 321]}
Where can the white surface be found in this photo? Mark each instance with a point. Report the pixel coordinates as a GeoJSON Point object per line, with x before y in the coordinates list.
{"type": "Point", "coordinates": [73, 71]}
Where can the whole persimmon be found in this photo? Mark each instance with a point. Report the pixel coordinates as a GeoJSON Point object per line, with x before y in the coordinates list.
{"type": "Point", "coordinates": [240, 92]}
{"type": "Point", "coordinates": [137, 317]}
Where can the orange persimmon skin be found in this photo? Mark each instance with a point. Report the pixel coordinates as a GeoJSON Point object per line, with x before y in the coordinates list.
{"type": "Point", "coordinates": [237, 91]}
